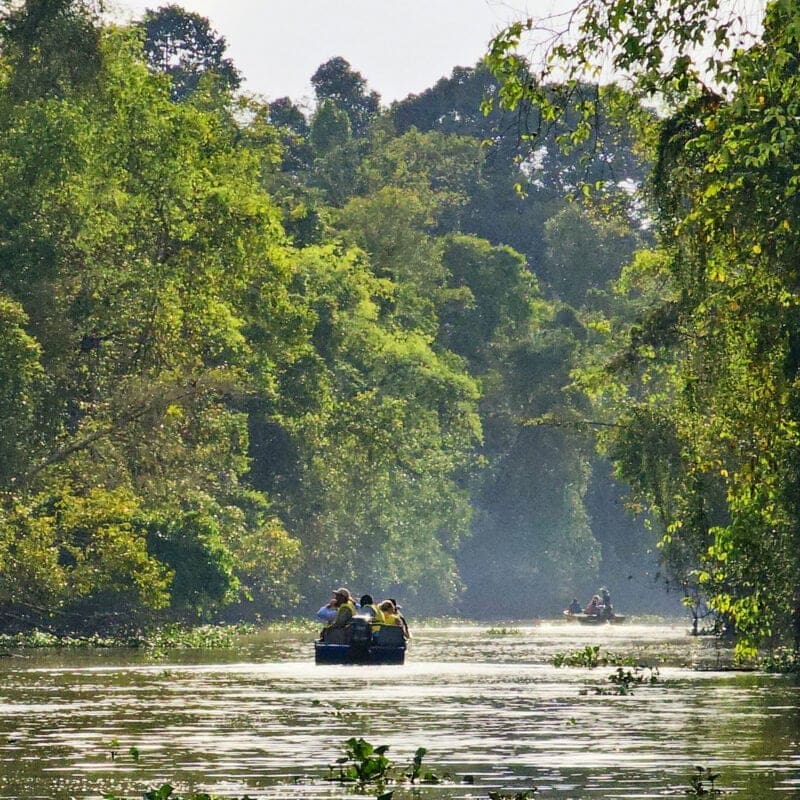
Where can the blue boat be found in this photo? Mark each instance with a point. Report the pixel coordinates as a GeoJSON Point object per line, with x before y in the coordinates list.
{"type": "Point", "coordinates": [386, 645]}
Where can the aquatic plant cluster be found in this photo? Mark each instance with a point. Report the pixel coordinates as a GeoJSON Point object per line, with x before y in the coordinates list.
{"type": "Point", "coordinates": [591, 657]}
{"type": "Point", "coordinates": [159, 639]}
{"type": "Point", "coordinates": [783, 659]}
{"type": "Point", "coordinates": [627, 675]}
{"type": "Point", "coordinates": [367, 769]}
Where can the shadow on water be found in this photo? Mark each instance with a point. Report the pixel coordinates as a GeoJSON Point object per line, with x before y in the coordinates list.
{"type": "Point", "coordinates": [486, 702]}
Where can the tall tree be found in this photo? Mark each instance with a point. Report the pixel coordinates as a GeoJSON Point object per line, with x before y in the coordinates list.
{"type": "Point", "coordinates": [52, 46]}
{"type": "Point", "coordinates": [183, 45]}
{"type": "Point", "coordinates": [337, 82]}
{"type": "Point", "coordinates": [125, 336]}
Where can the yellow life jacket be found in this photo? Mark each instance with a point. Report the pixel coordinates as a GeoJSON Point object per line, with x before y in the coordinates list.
{"type": "Point", "coordinates": [388, 618]}
{"type": "Point", "coordinates": [377, 618]}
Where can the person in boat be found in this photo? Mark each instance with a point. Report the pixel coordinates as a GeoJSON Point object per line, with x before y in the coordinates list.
{"type": "Point", "coordinates": [594, 606]}
{"type": "Point", "coordinates": [399, 611]}
{"type": "Point", "coordinates": [575, 607]}
{"type": "Point", "coordinates": [367, 608]}
{"type": "Point", "coordinates": [335, 632]}
{"type": "Point", "coordinates": [606, 608]}
{"type": "Point", "coordinates": [326, 613]}
{"type": "Point", "coordinates": [392, 616]}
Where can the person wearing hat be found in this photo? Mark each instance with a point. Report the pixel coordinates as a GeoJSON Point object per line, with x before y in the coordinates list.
{"type": "Point", "coordinates": [345, 609]}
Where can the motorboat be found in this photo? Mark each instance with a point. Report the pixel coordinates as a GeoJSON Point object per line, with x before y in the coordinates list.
{"type": "Point", "coordinates": [364, 641]}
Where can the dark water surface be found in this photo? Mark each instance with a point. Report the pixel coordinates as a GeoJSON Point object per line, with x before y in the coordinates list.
{"type": "Point", "coordinates": [486, 702]}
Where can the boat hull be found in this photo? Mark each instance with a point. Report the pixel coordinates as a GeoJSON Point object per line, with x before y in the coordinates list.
{"type": "Point", "coordinates": [326, 653]}
{"type": "Point", "coordinates": [594, 619]}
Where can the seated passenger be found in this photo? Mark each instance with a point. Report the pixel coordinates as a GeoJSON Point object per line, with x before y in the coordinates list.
{"type": "Point", "coordinates": [399, 611]}
{"type": "Point", "coordinates": [326, 613]}
{"type": "Point", "coordinates": [594, 605]}
{"type": "Point", "coordinates": [335, 632]}
{"type": "Point", "coordinates": [606, 608]}
{"type": "Point", "coordinates": [575, 607]}
{"type": "Point", "coordinates": [387, 608]}
{"type": "Point", "coordinates": [369, 609]}
{"type": "Point", "coordinates": [393, 617]}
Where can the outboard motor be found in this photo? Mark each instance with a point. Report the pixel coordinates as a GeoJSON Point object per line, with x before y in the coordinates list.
{"type": "Point", "coordinates": [361, 632]}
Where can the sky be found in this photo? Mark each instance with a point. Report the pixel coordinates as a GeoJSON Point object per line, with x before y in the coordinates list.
{"type": "Point", "coordinates": [399, 46]}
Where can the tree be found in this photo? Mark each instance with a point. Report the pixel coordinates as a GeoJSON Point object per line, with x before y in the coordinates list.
{"type": "Point", "coordinates": [335, 81]}
{"type": "Point", "coordinates": [22, 385]}
{"type": "Point", "coordinates": [183, 45]}
{"type": "Point", "coordinates": [336, 153]}
{"type": "Point", "coordinates": [383, 426]}
{"type": "Point", "coordinates": [52, 46]}
{"type": "Point", "coordinates": [136, 243]}
{"type": "Point", "coordinates": [584, 252]}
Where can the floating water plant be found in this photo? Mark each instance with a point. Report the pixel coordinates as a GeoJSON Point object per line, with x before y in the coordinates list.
{"type": "Point", "coordinates": [591, 657]}
{"type": "Point", "coordinates": [362, 763]}
{"type": "Point", "coordinates": [698, 781]}
{"type": "Point", "coordinates": [624, 680]}
{"type": "Point", "coordinates": [588, 657]}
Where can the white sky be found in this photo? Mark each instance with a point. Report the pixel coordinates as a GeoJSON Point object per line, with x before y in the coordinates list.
{"type": "Point", "coordinates": [399, 46]}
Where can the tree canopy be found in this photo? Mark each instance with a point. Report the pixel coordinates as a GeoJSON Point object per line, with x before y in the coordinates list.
{"type": "Point", "coordinates": [703, 383]}
{"type": "Point", "coordinates": [251, 350]}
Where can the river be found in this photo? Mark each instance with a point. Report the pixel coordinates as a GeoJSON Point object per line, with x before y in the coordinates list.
{"type": "Point", "coordinates": [486, 702]}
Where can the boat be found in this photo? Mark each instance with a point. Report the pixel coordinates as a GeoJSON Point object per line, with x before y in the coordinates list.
{"type": "Point", "coordinates": [594, 619]}
{"type": "Point", "coordinates": [386, 645]}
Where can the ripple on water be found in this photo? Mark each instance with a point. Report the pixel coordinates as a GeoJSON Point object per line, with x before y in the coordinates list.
{"type": "Point", "coordinates": [485, 704]}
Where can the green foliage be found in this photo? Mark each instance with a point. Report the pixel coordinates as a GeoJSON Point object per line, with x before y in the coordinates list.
{"type": "Point", "coordinates": [336, 83]}
{"type": "Point", "coordinates": [51, 46]}
{"type": "Point", "coordinates": [203, 568]}
{"type": "Point", "coordinates": [702, 391]}
{"type": "Point", "coordinates": [382, 422]}
{"type": "Point", "coordinates": [183, 46]}
{"type": "Point", "coordinates": [701, 783]}
{"type": "Point", "coordinates": [362, 763]}
{"type": "Point", "coordinates": [125, 337]}
{"type": "Point", "coordinates": [590, 657]}
{"type": "Point", "coordinates": [243, 352]}
{"type": "Point", "coordinates": [22, 385]}
{"type": "Point", "coordinates": [782, 660]}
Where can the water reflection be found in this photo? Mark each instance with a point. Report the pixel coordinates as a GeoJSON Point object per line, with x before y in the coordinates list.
{"type": "Point", "coordinates": [264, 719]}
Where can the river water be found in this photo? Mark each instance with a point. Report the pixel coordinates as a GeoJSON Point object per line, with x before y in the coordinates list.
{"type": "Point", "coordinates": [487, 703]}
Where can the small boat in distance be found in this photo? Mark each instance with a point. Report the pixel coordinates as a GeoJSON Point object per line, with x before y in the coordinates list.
{"type": "Point", "coordinates": [598, 611]}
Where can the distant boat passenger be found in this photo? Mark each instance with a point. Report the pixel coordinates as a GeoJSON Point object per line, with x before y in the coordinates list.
{"type": "Point", "coordinates": [345, 609]}
{"type": "Point", "coordinates": [594, 605]}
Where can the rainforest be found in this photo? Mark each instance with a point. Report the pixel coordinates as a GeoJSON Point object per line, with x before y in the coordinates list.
{"type": "Point", "coordinates": [482, 349]}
